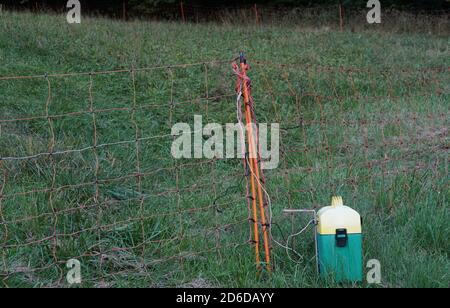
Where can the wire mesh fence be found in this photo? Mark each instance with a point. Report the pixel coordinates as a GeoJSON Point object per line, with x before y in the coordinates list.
{"type": "Point", "coordinates": [87, 171]}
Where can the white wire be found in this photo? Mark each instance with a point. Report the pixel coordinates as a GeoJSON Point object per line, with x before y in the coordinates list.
{"type": "Point", "coordinates": [239, 118]}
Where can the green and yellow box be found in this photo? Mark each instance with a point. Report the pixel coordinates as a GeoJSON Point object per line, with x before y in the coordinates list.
{"type": "Point", "coordinates": [339, 242]}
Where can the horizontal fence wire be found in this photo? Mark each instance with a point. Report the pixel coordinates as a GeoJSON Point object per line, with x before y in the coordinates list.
{"type": "Point", "coordinates": [87, 171]}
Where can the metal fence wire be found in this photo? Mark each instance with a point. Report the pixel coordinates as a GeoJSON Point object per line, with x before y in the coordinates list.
{"type": "Point", "coordinates": [87, 173]}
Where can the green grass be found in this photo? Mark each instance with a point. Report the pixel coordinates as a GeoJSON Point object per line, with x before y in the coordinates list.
{"type": "Point", "coordinates": [387, 99]}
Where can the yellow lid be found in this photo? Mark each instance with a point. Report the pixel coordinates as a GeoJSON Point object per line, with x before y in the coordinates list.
{"type": "Point", "coordinates": [338, 216]}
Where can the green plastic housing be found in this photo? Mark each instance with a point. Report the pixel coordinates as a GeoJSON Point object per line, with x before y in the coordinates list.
{"type": "Point", "coordinates": [344, 264]}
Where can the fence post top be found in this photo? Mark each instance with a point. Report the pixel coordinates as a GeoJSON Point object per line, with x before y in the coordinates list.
{"type": "Point", "coordinates": [242, 57]}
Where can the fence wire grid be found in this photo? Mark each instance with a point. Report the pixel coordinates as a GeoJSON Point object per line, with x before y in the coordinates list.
{"type": "Point", "coordinates": [87, 173]}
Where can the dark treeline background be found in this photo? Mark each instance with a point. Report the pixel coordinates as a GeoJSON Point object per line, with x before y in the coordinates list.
{"type": "Point", "coordinates": [118, 8]}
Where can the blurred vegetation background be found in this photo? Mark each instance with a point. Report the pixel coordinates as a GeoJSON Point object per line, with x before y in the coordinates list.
{"type": "Point", "coordinates": [136, 8]}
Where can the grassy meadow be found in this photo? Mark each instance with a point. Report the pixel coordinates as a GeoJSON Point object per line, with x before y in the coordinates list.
{"type": "Point", "coordinates": [363, 114]}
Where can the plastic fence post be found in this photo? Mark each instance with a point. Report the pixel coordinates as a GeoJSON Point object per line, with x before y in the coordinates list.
{"type": "Point", "coordinates": [256, 13]}
{"type": "Point", "coordinates": [183, 17]}
{"type": "Point", "coordinates": [341, 16]}
{"type": "Point", "coordinates": [253, 160]}
{"type": "Point", "coordinates": [124, 10]}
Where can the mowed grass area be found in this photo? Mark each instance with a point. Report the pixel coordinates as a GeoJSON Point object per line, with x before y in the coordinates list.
{"type": "Point", "coordinates": [364, 114]}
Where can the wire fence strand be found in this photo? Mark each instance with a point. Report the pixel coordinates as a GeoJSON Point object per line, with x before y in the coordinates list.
{"type": "Point", "coordinates": [96, 181]}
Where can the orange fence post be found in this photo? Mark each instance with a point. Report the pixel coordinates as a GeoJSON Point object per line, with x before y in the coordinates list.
{"type": "Point", "coordinates": [341, 16]}
{"type": "Point", "coordinates": [183, 17]}
{"type": "Point", "coordinates": [124, 10]}
{"type": "Point", "coordinates": [256, 13]}
{"type": "Point", "coordinates": [257, 194]}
